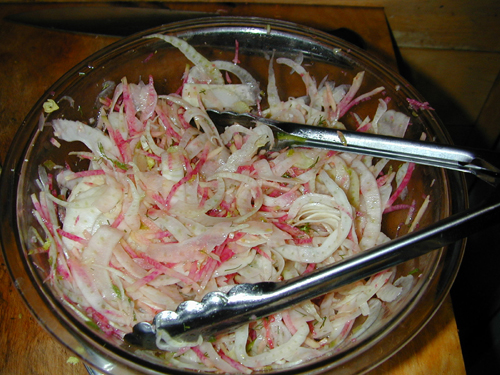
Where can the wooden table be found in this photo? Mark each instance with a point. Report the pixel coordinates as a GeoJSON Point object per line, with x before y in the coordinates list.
{"type": "Point", "coordinates": [31, 59]}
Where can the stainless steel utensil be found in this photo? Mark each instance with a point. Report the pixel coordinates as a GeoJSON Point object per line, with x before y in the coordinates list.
{"type": "Point", "coordinates": [218, 311]}
{"type": "Point", "coordinates": [481, 163]}
{"type": "Point", "coordinates": [121, 21]}
{"type": "Point", "coordinates": [111, 20]}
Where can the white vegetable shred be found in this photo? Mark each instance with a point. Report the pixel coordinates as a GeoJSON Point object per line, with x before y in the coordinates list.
{"type": "Point", "coordinates": [168, 211]}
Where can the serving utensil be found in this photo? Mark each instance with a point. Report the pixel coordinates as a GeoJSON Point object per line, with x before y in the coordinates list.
{"type": "Point", "coordinates": [113, 20]}
{"type": "Point", "coordinates": [481, 163]}
{"type": "Point", "coordinates": [124, 20]}
{"type": "Point", "coordinates": [219, 312]}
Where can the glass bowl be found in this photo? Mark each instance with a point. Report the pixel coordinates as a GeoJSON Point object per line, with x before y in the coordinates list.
{"type": "Point", "coordinates": [137, 58]}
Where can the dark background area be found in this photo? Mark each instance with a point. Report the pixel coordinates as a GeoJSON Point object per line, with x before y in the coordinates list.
{"type": "Point", "coordinates": [476, 290]}
{"type": "Point", "coordinates": [476, 296]}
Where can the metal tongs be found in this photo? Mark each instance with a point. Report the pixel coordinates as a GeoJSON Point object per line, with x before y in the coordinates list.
{"type": "Point", "coordinates": [219, 312]}
{"type": "Point", "coordinates": [481, 163]}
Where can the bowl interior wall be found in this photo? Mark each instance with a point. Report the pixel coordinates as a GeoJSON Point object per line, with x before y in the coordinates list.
{"type": "Point", "coordinates": [145, 57]}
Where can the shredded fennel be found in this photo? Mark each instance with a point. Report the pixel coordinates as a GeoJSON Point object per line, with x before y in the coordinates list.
{"type": "Point", "coordinates": [167, 212]}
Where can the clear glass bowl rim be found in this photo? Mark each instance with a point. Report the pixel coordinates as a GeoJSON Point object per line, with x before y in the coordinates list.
{"type": "Point", "coordinates": [97, 354]}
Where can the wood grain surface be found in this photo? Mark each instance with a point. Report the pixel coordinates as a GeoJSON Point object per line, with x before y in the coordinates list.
{"type": "Point", "coordinates": [32, 59]}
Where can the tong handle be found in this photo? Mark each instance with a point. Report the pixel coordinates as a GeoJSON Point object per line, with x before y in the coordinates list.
{"type": "Point", "coordinates": [219, 312]}
{"type": "Point", "coordinates": [481, 163]}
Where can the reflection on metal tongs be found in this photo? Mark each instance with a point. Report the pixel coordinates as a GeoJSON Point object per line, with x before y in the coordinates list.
{"type": "Point", "coordinates": [482, 163]}
{"type": "Point", "coordinates": [218, 311]}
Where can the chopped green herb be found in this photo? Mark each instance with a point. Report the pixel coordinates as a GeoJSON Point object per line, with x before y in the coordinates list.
{"type": "Point", "coordinates": [151, 162]}
{"type": "Point", "coordinates": [73, 360]}
{"type": "Point", "coordinates": [315, 162]}
{"type": "Point", "coordinates": [322, 121]}
{"type": "Point", "coordinates": [49, 164]}
{"type": "Point", "coordinates": [306, 227]}
{"type": "Point", "coordinates": [116, 163]}
{"type": "Point", "coordinates": [300, 312]}
{"type": "Point", "coordinates": [47, 244]}
{"type": "Point", "coordinates": [50, 106]}
{"type": "Point", "coordinates": [414, 271]}
{"type": "Point", "coordinates": [117, 291]}
{"type": "Point", "coordinates": [91, 324]}
{"type": "Point", "coordinates": [250, 345]}
{"type": "Point", "coordinates": [289, 137]}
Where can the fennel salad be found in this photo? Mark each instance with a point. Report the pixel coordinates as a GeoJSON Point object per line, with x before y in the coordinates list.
{"type": "Point", "coordinates": [168, 211]}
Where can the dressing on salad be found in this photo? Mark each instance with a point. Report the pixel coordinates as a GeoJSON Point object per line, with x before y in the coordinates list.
{"type": "Point", "coordinates": [167, 212]}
